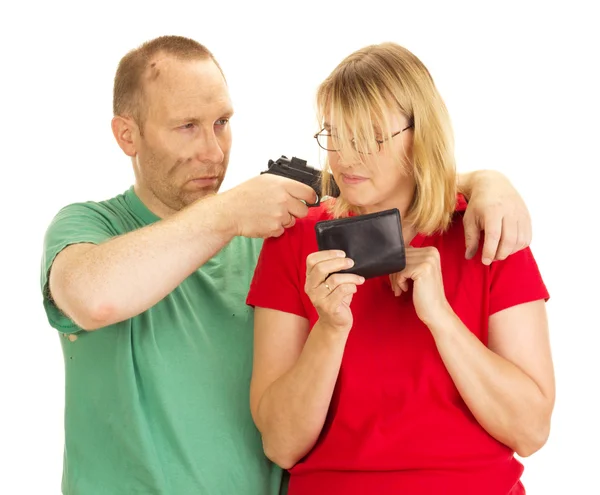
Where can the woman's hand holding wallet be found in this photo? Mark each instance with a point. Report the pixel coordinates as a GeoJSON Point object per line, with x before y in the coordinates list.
{"type": "Point", "coordinates": [329, 291]}
{"type": "Point", "coordinates": [375, 245]}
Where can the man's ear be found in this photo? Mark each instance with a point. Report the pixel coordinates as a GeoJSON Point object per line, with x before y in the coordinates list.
{"type": "Point", "coordinates": [125, 129]}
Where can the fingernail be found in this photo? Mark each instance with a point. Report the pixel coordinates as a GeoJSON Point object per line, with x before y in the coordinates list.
{"type": "Point", "coordinates": [487, 261]}
{"type": "Point", "coordinates": [341, 254]}
{"type": "Point", "coordinates": [469, 254]}
{"type": "Point", "coordinates": [362, 279]}
{"type": "Point", "coordinates": [349, 262]}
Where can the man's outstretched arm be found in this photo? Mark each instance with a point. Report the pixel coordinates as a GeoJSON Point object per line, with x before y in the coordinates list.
{"type": "Point", "coordinates": [97, 285]}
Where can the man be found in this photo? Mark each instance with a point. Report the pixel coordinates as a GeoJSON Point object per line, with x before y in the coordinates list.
{"type": "Point", "coordinates": [148, 289]}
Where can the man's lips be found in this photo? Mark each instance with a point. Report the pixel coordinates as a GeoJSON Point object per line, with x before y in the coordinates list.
{"type": "Point", "coordinates": [204, 181]}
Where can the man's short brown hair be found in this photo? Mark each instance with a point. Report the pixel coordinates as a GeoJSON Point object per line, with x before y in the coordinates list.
{"type": "Point", "coordinates": [128, 88]}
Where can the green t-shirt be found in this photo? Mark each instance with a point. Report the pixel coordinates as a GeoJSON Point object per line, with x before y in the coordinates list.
{"type": "Point", "coordinates": [159, 403]}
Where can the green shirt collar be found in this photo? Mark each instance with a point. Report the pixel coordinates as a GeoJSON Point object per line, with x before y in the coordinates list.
{"type": "Point", "coordinates": [139, 208]}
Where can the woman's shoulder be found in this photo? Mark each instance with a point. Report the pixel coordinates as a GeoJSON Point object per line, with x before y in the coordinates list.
{"type": "Point", "coordinates": [450, 242]}
{"type": "Point", "coordinates": [301, 235]}
{"type": "Point", "coordinates": [315, 215]}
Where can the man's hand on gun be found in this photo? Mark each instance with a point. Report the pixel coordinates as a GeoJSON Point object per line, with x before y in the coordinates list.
{"type": "Point", "coordinates": [297, 169]}
{"type": "Point", "coordinates": [266, 205]}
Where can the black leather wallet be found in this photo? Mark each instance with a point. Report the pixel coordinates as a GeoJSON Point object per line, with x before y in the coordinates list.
{"type": "Point", "coordinates": [373, 241]}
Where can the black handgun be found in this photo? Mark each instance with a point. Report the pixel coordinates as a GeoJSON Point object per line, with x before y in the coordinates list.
{"type": "Point", "coordinates": [297, 169]}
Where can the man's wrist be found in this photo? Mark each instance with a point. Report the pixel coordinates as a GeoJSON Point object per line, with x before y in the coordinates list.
{"type": "Point", "coordinates": [471, 182]}
{"type": "Point", "coordinates": [225, 216]}
{"type": "Point", "coordinates": [464, 183]}
{"type": "Point", "coordinates": [215, 214]}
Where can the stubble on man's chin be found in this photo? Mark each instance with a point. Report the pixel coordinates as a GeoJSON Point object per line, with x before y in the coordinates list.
{"type": "Point", "coordinates": [189, 198]}
{"type": "Point", "coordinates": [176, 197]}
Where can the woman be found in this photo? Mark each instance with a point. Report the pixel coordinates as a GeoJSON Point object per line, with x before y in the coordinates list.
{"type": "Point", "coordinates": [426, 381]}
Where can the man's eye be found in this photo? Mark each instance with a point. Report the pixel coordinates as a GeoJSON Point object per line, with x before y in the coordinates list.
{"type": "Point", "coordinates": [222, 122]}
{"type": "Point", "coordinates": [187, 126]}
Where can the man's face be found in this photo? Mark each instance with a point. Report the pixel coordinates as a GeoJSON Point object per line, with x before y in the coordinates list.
{"type": "Point", "coordinates": [183, 151]}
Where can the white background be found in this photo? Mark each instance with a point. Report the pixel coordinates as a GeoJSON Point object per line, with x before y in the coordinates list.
{"type": "Point", "coordinates": [521, 83]}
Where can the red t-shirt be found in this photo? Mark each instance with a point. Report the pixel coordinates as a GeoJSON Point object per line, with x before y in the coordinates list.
{"type": "Point", "coordinates": [396, 422]}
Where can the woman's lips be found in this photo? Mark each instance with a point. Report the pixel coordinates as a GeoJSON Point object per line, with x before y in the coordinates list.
{"type": "Point", "coordinates": [353, 179]}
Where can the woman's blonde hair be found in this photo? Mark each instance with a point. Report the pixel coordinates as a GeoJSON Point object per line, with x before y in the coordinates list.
{"type": "Point", "coordinates": [360, 93]}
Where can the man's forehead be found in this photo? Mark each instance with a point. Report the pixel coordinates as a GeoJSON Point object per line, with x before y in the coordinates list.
{"type": "Point", "coordinates": [176, 84]}
{"type": "Point", "coordinates": [168, 70]}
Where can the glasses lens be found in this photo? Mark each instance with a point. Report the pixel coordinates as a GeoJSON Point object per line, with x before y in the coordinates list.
{"type": "Point", "coordinates": [364, 148]}
{"type": "Point", "coordinates": [328, 142]}
{"type": "Point", "coordinates": [331, 142]}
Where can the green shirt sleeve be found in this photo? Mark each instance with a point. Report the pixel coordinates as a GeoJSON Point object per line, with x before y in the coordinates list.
{"type": "Point", "coordinates": [74, 224]}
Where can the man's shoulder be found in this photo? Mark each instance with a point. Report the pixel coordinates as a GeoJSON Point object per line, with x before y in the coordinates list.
{"type": "Point", "coordinates": [113, 215]}
{"type": "Point", "coordinates": [114, 204]}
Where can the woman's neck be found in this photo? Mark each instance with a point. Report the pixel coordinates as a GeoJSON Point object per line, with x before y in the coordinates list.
{"type": "Point", "coordinates": [403, 205]}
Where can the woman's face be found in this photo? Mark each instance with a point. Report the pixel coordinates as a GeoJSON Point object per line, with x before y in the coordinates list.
{"type": "Point", "coordinates": [380, 180]}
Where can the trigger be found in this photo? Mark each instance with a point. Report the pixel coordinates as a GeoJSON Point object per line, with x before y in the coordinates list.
{"type": "Point", "coordinates": [317, 203]}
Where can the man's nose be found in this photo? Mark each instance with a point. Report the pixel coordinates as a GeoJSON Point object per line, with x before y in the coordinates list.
{"type": "Point", "coordinates": [208, 148]}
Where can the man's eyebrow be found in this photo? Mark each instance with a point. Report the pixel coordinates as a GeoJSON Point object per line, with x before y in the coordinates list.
{"type": "Point", "coordinates": [179, 120]}
{"type": "Point", "coordinates": [226, 114]}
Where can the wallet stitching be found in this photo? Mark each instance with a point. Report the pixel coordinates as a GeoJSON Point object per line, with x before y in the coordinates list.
{"type": "Point", "coordinates": [358, 219]}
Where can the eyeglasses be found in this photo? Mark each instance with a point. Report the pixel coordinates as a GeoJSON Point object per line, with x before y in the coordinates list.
{"type": "Point", "coordinates": [330, 142]}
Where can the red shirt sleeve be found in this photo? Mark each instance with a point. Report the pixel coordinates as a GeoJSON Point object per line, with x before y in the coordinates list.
{"type": "Point", "coordinates": [279, 274]}
{"type": "Point", "coordinates": [515, 280]}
